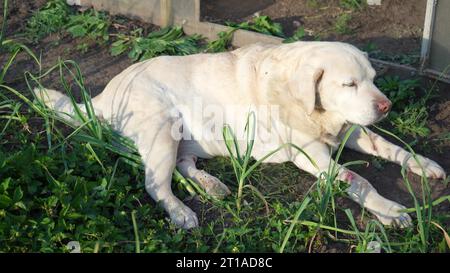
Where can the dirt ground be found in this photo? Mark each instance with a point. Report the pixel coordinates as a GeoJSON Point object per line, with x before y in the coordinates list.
{"type": "Point", "coordinates": [99, 67]}
{"type": "Point", "coordinates": [394, 27]}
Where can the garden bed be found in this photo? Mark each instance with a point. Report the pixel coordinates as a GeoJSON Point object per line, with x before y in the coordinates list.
{"type": "Point", "coordinates": [97, 63]}
{"type": "Point", "coordinates": [283, 184]}
{"type": "Point", "coordinates": [391, 31]}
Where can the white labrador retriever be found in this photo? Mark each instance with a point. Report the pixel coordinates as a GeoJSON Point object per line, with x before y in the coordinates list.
{"type": "Point", "coordinates": [320, 89]}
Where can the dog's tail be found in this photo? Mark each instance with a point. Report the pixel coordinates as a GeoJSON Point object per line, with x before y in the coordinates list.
{"type": "Point", "coordinates": [60, 103]}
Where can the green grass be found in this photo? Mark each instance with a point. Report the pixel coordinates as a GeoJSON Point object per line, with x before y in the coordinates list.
{"type": "Point", "coordinates": [400, 92]}
{"type": "Point", "coordinates": [298, 35]}
{"type": "Point", "coordinates": [62, 182]}
{"type": "Point", "coordinates": [353, 4]}
{"type": "Point", "coordinates": [409, 115]}
{"type": "Point", "coordinates": [10, 47]}
{"type": "Point", "coordinates": [222, 43]}
{"type": "Point", "coordinates": [341, 25]}
{"type": "Point", "coordinates": [49, 19]}
{"type": "Point", "coordinates": [63, 185]}
{"type": "Point", "coordinates": [167, 41]}
{"type": "Point", "coordinates": [78, 190]}
{"type": "Point", "coordinates": [56, 16]}
{"type": "Point", "coordinates": [400, 58]}
{"type": "Point", "coordinates": [90, 25]}
{"type": "Point", "coordinates": [262, 24]}
{"type": "Point", "coordinates": [241, 161]}
{"type": "Point", "coordinates": [312, 3]}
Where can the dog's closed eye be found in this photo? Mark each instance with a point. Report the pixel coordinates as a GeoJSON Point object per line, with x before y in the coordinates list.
{"type": "Point", "coordinates": [350, 84]}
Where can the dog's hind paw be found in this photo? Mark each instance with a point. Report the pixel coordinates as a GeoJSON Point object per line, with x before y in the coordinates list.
{"type": "Point", "coordinates": [212, 185]}
{"type": "Point", "coordinates": [183, 217]}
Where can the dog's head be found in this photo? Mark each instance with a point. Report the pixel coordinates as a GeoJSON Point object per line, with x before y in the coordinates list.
{"type": "Point", "coordinates": [338, 77]}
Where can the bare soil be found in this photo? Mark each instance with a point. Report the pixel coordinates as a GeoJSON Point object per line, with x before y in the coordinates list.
{"type": "Point", "coordinates": [394, 27]}
{"type": "Point", "coordinates": [97, 64]}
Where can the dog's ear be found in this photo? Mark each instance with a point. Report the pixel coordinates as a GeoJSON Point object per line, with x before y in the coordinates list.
{"type": "Point", "coordinates": [304, 85]}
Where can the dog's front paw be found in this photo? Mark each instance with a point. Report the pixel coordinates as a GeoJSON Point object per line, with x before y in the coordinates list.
{"type": "Point", "coordinates": [183, 217]}
{"type": "Point", "coordinates": [392, 215]}
{"type": "Point", "coordinates": [430, 168]}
